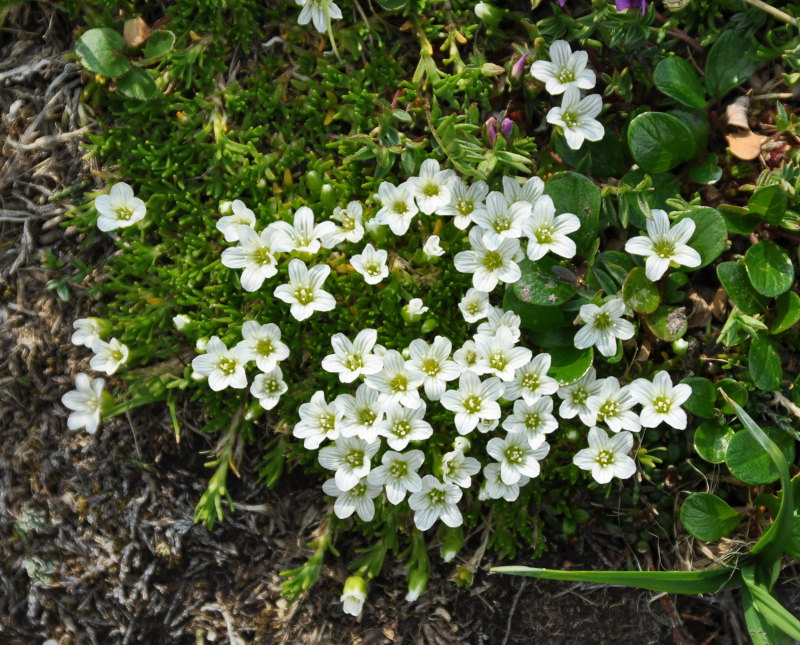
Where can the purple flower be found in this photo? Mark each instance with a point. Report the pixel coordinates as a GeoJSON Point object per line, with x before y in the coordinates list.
{"type": "Point", "coordinates": [622, 5]}
{"type": "Point", "coordinates": [519, 67]}
{"type": "Point", "coordinates": [491, 126]}
{"type": "Point", "coordinates": [507, 127]}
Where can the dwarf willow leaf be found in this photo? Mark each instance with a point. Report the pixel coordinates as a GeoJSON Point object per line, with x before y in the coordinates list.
{"type": "Point", "coordinates": [676, 78]}
{"type": "Point", "coordinates": [730, 63]}
{"type": "Point", "coordinates": [735, 391]}
{"type": "Point", "coordinates": [137, 84]}
{"type": "Point", "coordinates": [764, 363]}
{"type": "Point", "coordinates": [707, 517]}
{"type": "Point", "coordinates": [533, 317]}
{"type": "Point", "coordinates": [658, 141]}
{"type": "Point", "coordinates": [159, 43]}
{"type": "Point", "coordinates": [769, 203]}
{"type": "Point", "coordinates": [711, 441]}
{"type": "Point", "coordinates": [639, 293]}
{"type": "Point", "coordinates": [570, 363]}
{"type": "Point", "coordinates": [668, 323]}
{"type": "Point", "coordinates": [748, 461]}
{"type": "Point", "coordinates": [710, 233]}
{"type": "Point", "coordinates": [100, 50]}
{"type": "Point", "coordinates": [769, 268]}
{"type": "Point", "coordinates": [579, 195]}
{"type": "Point", "coordinates": [787, 313]}
{"type": "Point", "coordinates": [704, 394]}
{"type": "Point", "coordinates": [540, 285]}
{"type": "Point", "coordinates": [733, 277]}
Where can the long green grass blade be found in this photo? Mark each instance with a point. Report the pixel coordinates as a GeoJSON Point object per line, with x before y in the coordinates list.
{"type": "Point", "coordinates": [761, 631]}
{"type": "Point", "coordinates": [770, 610]}
{"type": "Point", "coordinates": [685, 582]}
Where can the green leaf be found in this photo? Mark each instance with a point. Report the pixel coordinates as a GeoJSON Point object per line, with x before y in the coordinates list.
{"type": "Point", "coordinates": [748, 461]}
{"type": "Point", "coordinates": [734, 390]}
{"type": "Point", "coordinates": [676, 78]}
{"type": "Point", "coordinates": [764, 364]}
{"type": "Point", "coordinates": [579, 195]}
{"type": "Point", "coordinates": [707, 172]}
{"type": "Point", "coordinates": [668, 323]}
{"type": "Point", "coordinates": [733, 277]}
{"type": "Point", "coordinates": [540, 285]}
{"type": "Point", "coordinates": [770, 270]}
{"type": "Point", "coordinates": [533, 317]}
{"type": "Point", "coordinates": [697, 123]}
{"type": "Point", "coordinates": [707, 517]}
{"type": "Point", "coordinates": [704, 394]}
{"type": "Point", "coordinates": [738, 219]}
{"type": "Point", "coordinates": [711, 441]}
{"type": "Point", "coordinates": [787, 313]}
{"type": "Point", "coordinates": [100, 50]}
{"type": "Point", "coordinates": [769, 203]}
{"type": "Point", "coordinates": [761, 631]}
{"type": "Point", "coordinates": [569, 363]}
{"type": "Point", "coordinates": [136, 83]}
{"type": "Point", "coordinates": [604, 158]}
{"type": "Point", "coordinates": [159, 43]}
{"type": "Point", "coordinates": [775, 614]}
{"type": "Point", "coordinates": [639, 293]}
{"type": "Point", "coordinates": [710, 234]}
{"type": "Point", "coordinates": [658, 141]}
{"type": "Point", "coordinates": [664, 186]}
{"type": "Point", "coordinates": [730, 63]}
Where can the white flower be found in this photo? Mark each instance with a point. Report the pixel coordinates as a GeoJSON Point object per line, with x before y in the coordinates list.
{"type": "Point", "coordinates": [663, 245]}
{"type": "Point", "coordinates": [108, 356]}
{"type": "Point", "coordinates": [302, 236]}
{"type": "Point", "coordinates": [86, 331]}
{"type": "Point", "coordinates": [319, 420]}
{"type": "Point", "coordinates": [516, 457]}
{"type": "Point", "coordinates": [262, 344]}
{"type": "Point", "coordinates": [371, 264]}
{"type": "Point", "coordinates": [606, 456]}
{"type": "Point", "coordinates": [565, 69]}
{"type": "Point", "coordinates": [465, 203]}
{"type": "Point", "coordinates": [84, 401]}
{"type": "Point", "coordinates": [612, 406]}
{"type": "Point", "coordinates": [352, 359]}
{"type": "Point", "coordinates": [473, 400]}
{"type": "Point", "coordinates": [574, 397]}
{"type": "Point", "coordinates": [398, 207]}
{"type": "Point", "coordinates": [546, 232]}
{"type": "Point", "coordinates": [431, 189]}
{"type": "Point", "coordinates": [397, 381]}
{"type": "Point", "coordinates": [318, 12]}
{"type": "Point", "coordinates": [224, 367]}
{"type": "Point", "coordinates": [242, 216]}
{"type": "Point", "coordinates": [576, 116]}
{"type": "Point", "coordinates": [398, 474]}
{"type": "Point", "coordinates": [474, 305]}
{"type": "Point", "coordinates": [487, 425]}
{"type": "Point", "coordinates": [433, 362]}
{"type": "Point", "coordinates": [531, 381]}
{"type": "Point", "coordinates": [532, 421]}
{"type": "Point", "coordinates": [357, 499]}
{"type": "Point", "coordinates": [467, 357]}
{"type": "Point", "coordinates": [603, 326]}
{"type": "Point", "coordinates": [350, 458]}
{"type": "Point", "coordinates": [458, 469]}
{"type": "Point", "coordinates": [403, 425]}
{"type": "Point", "coordinates": [497, 319]}
{"type": "Point", "coordinates": [495, 488]}
{"type": "Point", "coordinates": [661, 401]}
{"type": "Point", "coordinates": [255, 254]}
{"type": "Point", "coordinates": [498, 356]}
{"type": "Point", "coordinates": [435, 501]}
{"type": "Point", "coordinates": [119, 209]}
{"type": "Point", "coordinates": [415, 308]}
{"type": "Point", "coordinates": [363, 413]}
{"type": "Point", "coordinates": [354, 593]}
{"type": "Point", "coordinates": [501, 220]}
{"type": "Point", "coordinates": [489, 266]}
{"type": "Point", "coordinates": [267, 388]}
{"type": "Point", "coordinates": [432, 248]}
{"type": "Point", "coordinates": [351, 229]}
{"type": "Point", "coordinates": [304, 291]}
{"type": "Point", "coordinates": [181, 321]}
{"type": "Point", "coordinates": [529, 192]}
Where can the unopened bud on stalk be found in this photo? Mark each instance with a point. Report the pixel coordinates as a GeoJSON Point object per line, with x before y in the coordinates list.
{"type": "Point", "coordinates": [507, 127]}
{"type": "Point", "coordinates": [518, 68]}
{"type": "Point", "coordinates": [453, 542]}
{"type": "Point", "coordinates": [491, 128]}
{"type": "Point", "coordinates": [417, 581]}
{"type": "Point", "coordinates": [353, 595]}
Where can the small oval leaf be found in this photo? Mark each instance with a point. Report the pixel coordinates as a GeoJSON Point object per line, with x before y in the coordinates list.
{"type": "Point", "coordinates": [676, 78]}
{"type": "Point", "coordinates": [639, 293]}
{"type": "Point", "coordinates": [711, 441]}
{"type": "Point", "coordinates": [769, 268]}
{"type": "Point", "coordinates": [707, 517]}
{"type": "Point", "coordinates": [749, 462]}
{"type": "Point", "coordinates": [100, 50]}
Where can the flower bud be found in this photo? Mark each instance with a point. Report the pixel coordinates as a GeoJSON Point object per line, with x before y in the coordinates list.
{"type": "Point", "coordinates": [417, 581]}
{"type": "Point", "coordinates": [201, 344]}
{"type": "Point", "coordinates": [680, 347]}
{"type": "Point", "coordinates": [413, 311]}
{"type": "Point", "coordinates": [353, 595]}
{"type": "Point", "coordinates": [507, 127]}
{"type": "Point", "coordinates": [181, 321]}
{"type": "Point", "coordinates": [225, 208]}
{"type": "Point", "coordinates": [453, 542]}
{"type": "Point", "coordinates": [491, 128]}
{"type": "Point", "coordinates": [490, 69]}
{"type": "Point", "coordinates": [518, 68]}
{"type": "Point", "coordinates": [490, 14]}
{"type": "Point", "coordinates": [429, 325]}
{"type": "Point", "coordinates": [462, 444]}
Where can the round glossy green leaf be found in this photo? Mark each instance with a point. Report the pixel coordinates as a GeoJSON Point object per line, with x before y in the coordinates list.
{"type": "Point", "coordinates": [710, 233]}
{"type": "Point", "coordinates": [735, 390]}
{"type": "Point", "coordinates": [137, 84]}
{"type": "Point", "coordinates": [604, 158]}
{"type": "Point", "coordinates": [676, 78]}
{"type": "Point", "coordinates": [639, 293]}
{"type": "Point", "coordinates": [787, 313]}
{"type": "Point", "coordinates": [768, 203]}
{"type": "Point", "coordinates": [764, 363]}
{"type": "Point", "coordinates": [770, 270]}
{"type": "Point", "coordinates": [707, 517]}
{"type": "Point", "coordinates": [659, 141]}
{"type": "Point", "coordinates": [533, 317]}
{"type": "Point", "coordinates": [100, 50]}
{"type": "Point", "coordinates": [748, 461]}
{"type": "Point", "coordinates": [711, 441]}
{"type": "Point", "coordinates": [697, 123]}
{"type": "Point", "coordinates": [668, 323]}
{"type": "Point", "coordinates": [704, 394]}
{"type": "Point", "coordinates": [707, 172]}
{"type": "Point", "coordinates": [159, 43]}
{"type": "Point", "coordinates": [733, 277]}
{"type": "Point", "coordinates": [579, 195]}
{"type": "Point", "coordinates": [540, 285]}
{"type": "Point", "coordinates": [730, 63]}
{"type": "Point", "coordinates": [569, 363]}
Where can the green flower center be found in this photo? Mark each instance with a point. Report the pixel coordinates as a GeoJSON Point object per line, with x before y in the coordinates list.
{"type": "Point", "coordinates": [431, 366]}
{"type": "Point", "coordinates": [465, 206]}
{"type": "Point", "coordinates": [227, 366]}
{"type": "Point", "coordinates": [498, 361]}
{"type": "Point", "coordinates": [579, 396]}
{"type": "Point", "coordinates": [544, 235]}
{"type": "Point", "coordinates": [263, 256]}
{"type": "Point", "coordinates": [358, 490]}
{"type": "Point", "coordinates": [501, 224]}
{"type": "Point", "coordinates": [662, 404]}
{"type": "Point", "coordinates": [513, 455]}
{"type": "Point", "coordinates": [602, 321]}
{"type": "Point", "coordinates": [532, 421]}
{"type": "Point", "coordinates": [566, 76]}
{"type": "Point", "coordinates": [431, 189]}
{"type": "Point", "coordinates": [493, 260]}
{"type": "Point", "coordinates": [123, 213]}
{"type": "Point", "coordinates": [436, 497]}
{"type": "Point", "coordinates": [401, 428]}
{"type": "Point", "coordinates": [398, 469]}
{"type": "Point", "coordinates": [354, 362]}
{"type": "Point", "coordinates": [272, 386]}
{"type": "Point", "coordinates": [664, 249]}
{"type": "Point", "coordinates": [265, 347]}
{"type": "Point", "coordinates": [400, 207]}
{"type": "Point", "coordinates": [605, 458]}
{"type": "Point", "coordinates": [354, 458]}
{"type": "Point", "coordinates": [373, 268]}
{"type": "Point", "coordinates": [366, 417]}
{"type": "Point", "coordinates": [399, 383]}
{"type": "Point", "coordinates": [609, 409]}
{"type": "Point", "coordinates": [472, 404]}
{"type": "Point", "coordinates": [570, 119]}
{"type": "Point", "coordinates": [530, 381]}
{"type": "Point", "coordinates": [327, 422]}
{"type": "Point", "coordinates": [304, 295]}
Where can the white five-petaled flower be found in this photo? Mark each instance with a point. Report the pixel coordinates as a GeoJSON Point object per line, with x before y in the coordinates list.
{"type": "Point", "coordinates": [403, 425]}
{"type": "Point", "coordinates": [268, 387]}
{"type": "Point", "coordinates": [363, 413]}
{"type": "Point", "coordinates": [371, 264]}
{"type": "Point", "coordinates": [474, 305]}
{"type": "Point", "coordinates": [357, 499]}
{"type": "Point", "coordinates": [397, 207]}
{"type": "Point", "coordinates": [661, 401]}
{"type": "Point", "coordinates": [229, 224]}
{"type": "Point", "coordinates": [431, 189]}
{"type": "Point", "coordinates": [415, 308]}
{"type": "Point", "coordinates": [397, 382]}
{"type": "Point", "coordinates": [501, 220]}
{"type": "Point", "coordinates": [606, 456]}
{"type": "Point", "coordinates": [320, 12]}
{"type": "Point", "coordinates": [516, 457]}
{"type": "Point", "coordinates": [465, 203]}
{"type": "Point", "coordinates": [319, 421]}
{"type": "Point", "coordinates": [108, 356]}
{"type": "Point", "coordinates": [497, 319]}
{"type": "Point", "coordinates": [565, 69]}
{"type": "Point", "coordinates": [255, 254]}
{"type": "Point", "coordinates": [302, 236]}
{"type": "Point", "coordinates": [351, 227]}
{"type": "Point", "coordinates": [119, 209]}
{"type": "Point", "coordinates": [224, 367]}
{"type": "Point", "coordinates": [86, 330]}
{"type": "Point", "coordinates": [433, 362]}
{"type": "Point", "coordinates": [473, 400]}
{"type": "Point", "coordinates": [85, 402]}
{"type": "Point", "coordinates": [603, 326]}
{"type": "Point", "coordinates": [531, 381]}
{"type": "Point", "coordinates": [530, 191]}
{"type": "Point", "coordinates": [495, 488]}
{"type": "Point", "coordinates": [664, 244]}
{"type": "Point", "coordinates": [458, 469]}
{"type": "Point", "coordinates": [352, 359]}
{"type": "Point", "coordinates": [262, 344]}
{"type": "Point", "coordinates": [532, 421]}
{"type": "Point", "coordinates": [304, 291]}
{"type": "Point", "coordinates": [489, 266]}
{"type": "Point", "coordinates": [498, 356]}
{"type": "Point", "coordinates": [350, 458]}
{"type": "Point", "coordinates": [574, 397]}
{"type": "Point", "coordinates": [398, 474]}
{"type": "Point", "coordinates": [576, 116]}
{"type": "Point", "coordinates": [436, 500]}
{"type": "Point", "coordinates": [612, 407]}
{"type": "Point", "coordinates": [467, 357]}
{"type": "Point", "coordinates": [432, 248]}
{"type": "Point", "coordinates": [548, 232]}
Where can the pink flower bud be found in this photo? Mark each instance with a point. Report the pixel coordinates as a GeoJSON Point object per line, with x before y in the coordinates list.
{"type": "Point", "coordinates": [507, 127]}
{"type": "Point", "coordinates": [491, 126]}
{"type": "Point", "coordinates": [518, 68]}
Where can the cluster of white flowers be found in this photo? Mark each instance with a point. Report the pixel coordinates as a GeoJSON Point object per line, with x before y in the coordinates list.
{"type": "Point", "coordinates": [566, 73]}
